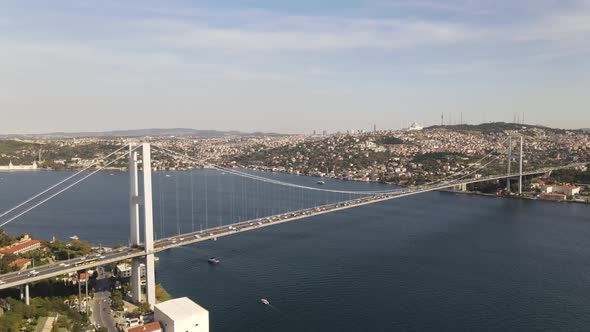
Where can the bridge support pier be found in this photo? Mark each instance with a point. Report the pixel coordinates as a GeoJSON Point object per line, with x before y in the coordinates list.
{"type": "Point", "coordinates": [27, 300]}
{"type": "Point", "coordinates": [460, 187]}
{"type": "Point", "coordinates": [150, 280]}
{"type": "Point", "coordinates": [136, 279]}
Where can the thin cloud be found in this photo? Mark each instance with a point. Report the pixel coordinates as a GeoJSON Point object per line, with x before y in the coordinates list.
{"type": "Point", "coordinates": [133, 65]}
{"type": "Point", "coordinates": [312, 34]}
{"type": "Point", "coordinates": [461, 7]}
{"type": "Point", "coordinates": [558, 28]}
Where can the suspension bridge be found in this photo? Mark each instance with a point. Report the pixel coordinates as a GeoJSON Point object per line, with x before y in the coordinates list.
{"type": "Point", "coordinates": [142, 245]}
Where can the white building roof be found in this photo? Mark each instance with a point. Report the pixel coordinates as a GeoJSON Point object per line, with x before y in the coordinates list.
{"type": "Point", "coordinates": [181, 309]}
{"type": "Point", "coordinates": [127, 266]}
{"type": "Point", "coordinates": [123, 267]}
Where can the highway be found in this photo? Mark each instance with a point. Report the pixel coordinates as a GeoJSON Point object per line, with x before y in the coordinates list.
{"type": "Point", "coordinates": [15, 279]}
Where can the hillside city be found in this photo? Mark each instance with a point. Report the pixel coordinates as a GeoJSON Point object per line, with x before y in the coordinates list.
{"type": "Point", "coordinates": [409, 157]}
{"type": "Point", "coordinates": [403, 157]}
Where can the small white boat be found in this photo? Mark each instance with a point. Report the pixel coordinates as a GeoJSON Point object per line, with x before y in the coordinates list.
{"type": "Point", "coordinates": [214, 261]}
{"type": "Point", "coordinates": [321, 182]}
{"type": "Point", "coordinates": [74, 237]}
{"type": "Point", "coordinates": [168, 175]}
{"type": "Point", "coordinates": [265, 301]}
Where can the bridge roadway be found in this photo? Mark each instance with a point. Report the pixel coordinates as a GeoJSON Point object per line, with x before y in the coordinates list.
{"type": "Point", "coordinates": [15, 279]}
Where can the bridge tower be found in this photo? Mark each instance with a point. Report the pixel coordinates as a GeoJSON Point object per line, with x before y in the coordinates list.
{"type": "Point", "coordinates": [509, 163]}
{"type": "Point", "coordinates": [520, 167]}
{"type": "Point", "coordinates": [520, 157]}
{"type": "Point", "coordinates": [148, 239]}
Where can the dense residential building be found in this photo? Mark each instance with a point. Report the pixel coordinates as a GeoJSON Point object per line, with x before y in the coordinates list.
{"type": "Point", "coordinates": [568, 190]}
{"type": "Point", "coordinates": [20, 263]}
{"type": "Point", "coordinates": [408, 157]}
{"type": "Point", "coordinates": [123, 270]}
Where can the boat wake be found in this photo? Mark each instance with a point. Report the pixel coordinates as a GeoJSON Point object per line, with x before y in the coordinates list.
{"type": "Point", "coordinates": [268, 304]}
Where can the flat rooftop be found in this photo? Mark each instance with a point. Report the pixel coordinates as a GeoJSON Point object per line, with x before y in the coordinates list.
{"type": "Point", "coordinates": [181, 308]}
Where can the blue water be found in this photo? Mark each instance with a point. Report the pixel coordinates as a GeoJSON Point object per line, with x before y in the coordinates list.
{"type": "Point", "coordinates": [436, 262]}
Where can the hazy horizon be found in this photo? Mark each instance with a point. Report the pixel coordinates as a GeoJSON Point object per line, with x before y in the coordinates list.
{"type": "Point", "coordinates": [291, 67]}
{"type": "Point", "coordinates": [240, 131]}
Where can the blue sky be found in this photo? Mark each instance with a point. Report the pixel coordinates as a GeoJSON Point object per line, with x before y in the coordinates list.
{"type": "Point", "coordinates": [291, 66]}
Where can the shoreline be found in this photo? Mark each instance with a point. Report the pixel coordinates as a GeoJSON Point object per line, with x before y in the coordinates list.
{"type": "Point", "coordinates": [473, 193]}
{"type": "Point", "coordinates": [118, 169]}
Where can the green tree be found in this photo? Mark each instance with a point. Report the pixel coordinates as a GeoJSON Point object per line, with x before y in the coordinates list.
{"type": "Point", "coordinates": [81, 247]}
{"type": "Point", "coordinates": [117, 299]}
{"type": "Point", "coordinates": [143, 309]}
{"type": "Point", "coordinates": [5, 239]}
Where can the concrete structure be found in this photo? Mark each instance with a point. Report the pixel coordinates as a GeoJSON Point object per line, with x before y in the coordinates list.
{"type": "Point", "coordinates": [47, 324]}
{"type": "Point", "coordinates": [460, 187]}
{"type": "Point", "coordinates": [21, 247]}
{"type": "Point", "coordinates": [182, 315]}
{"type": "Point", "coordinates": [553, 197]}
{"type": "Point", "coordinates": [415, 126]}
{"type": "Point", "coordinates": [520, 167]}
{"type": "Point", "coordinates": [148, 227]}
{"type": "Point", "coordinates": [24, 294]}
{"type": "Point", "coordinates": [509, 163]}
{"type": "Point", "coordinates": [123, 270]}
{"type": "Point", "coordinates": [12, 167]}
{"type": "Point", "coordinates": [82, 279]}
{"type": "Point", "coordinates": [520, 157]}
{"type": "Point", "coordinates": [564, 189]}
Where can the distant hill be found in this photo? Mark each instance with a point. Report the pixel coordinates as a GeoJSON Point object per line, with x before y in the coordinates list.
{"type": "Point", "coordinates": [494, 127]}
{"type": "Point", "coordinates": [156, 132]}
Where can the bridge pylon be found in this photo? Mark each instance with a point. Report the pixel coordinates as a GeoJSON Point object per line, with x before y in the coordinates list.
{"type": "Point", "coordinates": [509, 163]}
{"type": "Point", "coordinates": [509, 170]}
{"type": "Point", "coordinates": [148, 237]}
{"type": "Point", "coordinates": [520, 167]}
